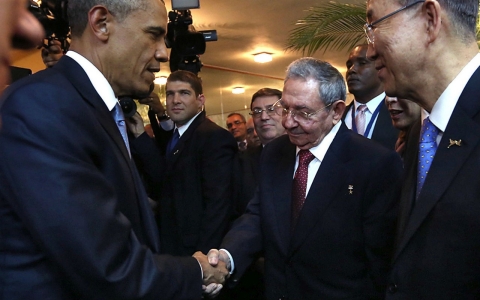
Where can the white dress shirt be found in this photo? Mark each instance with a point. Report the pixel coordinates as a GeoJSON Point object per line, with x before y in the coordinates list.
{"type": "Point", "coordinates": [443, 108]}
{"type": "Point", "coordinates": [371, 107]}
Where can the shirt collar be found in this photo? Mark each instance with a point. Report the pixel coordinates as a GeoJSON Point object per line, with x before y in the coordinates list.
{"type": "Point", "coordinates": [443, 108]}
{"type": "Point", "coordinates": [372, 104]}
{"type": "Point", "coordinates": [183, 128]}
{"type": "Point", "coordinates": [99, 82]}
{"type": "Point", "coordinates": [320, 150]}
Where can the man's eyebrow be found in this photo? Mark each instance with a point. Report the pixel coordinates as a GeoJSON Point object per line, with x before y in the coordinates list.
{"type": "Point", "coordinates": [157, 29]}
{"type": "Point", "coordinates": [369, 14]}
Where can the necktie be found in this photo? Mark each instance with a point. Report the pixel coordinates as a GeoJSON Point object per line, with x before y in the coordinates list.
{"type": "Point", "coordinates": [360, 118]}
{"type": "Point", "coordinates": [122, 127]}
{"type": "Point", "coordinates": [299, 187]}
{"type": "Point", "coordinates": [427, 149]}
{"type": "Point", "coordinates": [173, 141]}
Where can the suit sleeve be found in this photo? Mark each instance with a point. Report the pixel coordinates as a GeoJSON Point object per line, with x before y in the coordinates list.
{"type": "Point", "coordinates": [51, 160]}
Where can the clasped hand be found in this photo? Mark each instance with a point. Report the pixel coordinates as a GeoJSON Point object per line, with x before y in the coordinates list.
{"type": "Point", "coordinates": [215, 271]}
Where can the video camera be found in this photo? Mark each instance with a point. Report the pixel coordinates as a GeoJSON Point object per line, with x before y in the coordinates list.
{"type": "Point", "coordinates": [186, 43]}
{"type": "Point", "coordinates": [52, 14]}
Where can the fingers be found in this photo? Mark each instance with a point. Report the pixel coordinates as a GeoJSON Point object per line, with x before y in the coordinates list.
{"type": "Point", "coordinates": [212, 290]}
{"type": "Point", "coordinates": [213, 256]}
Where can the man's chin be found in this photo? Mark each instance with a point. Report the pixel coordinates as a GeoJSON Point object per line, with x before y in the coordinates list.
{"type": "Point", "coordinates": [143, 93]}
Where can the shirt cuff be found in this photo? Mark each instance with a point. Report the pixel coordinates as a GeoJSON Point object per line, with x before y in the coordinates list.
{"type": "Point", "coordinates": [232, 264]}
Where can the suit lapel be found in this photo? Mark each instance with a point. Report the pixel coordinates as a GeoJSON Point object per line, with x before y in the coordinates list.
{"type": "Point", "coordinates": [79, 79]}
{"type": "Point", "coordinates": [323, 190]}
{"type": "Point", "coordinates": [448, 161]}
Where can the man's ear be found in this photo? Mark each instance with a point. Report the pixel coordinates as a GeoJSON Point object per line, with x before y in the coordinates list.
{"type": "Point", "coordinates": [201, 99]}
{"type": "Point", "coordinates": [338, 108]}
{"type": "Point", "coordinates": [432, 13]}
{"type": "Point", "coordinates": [99, 20]}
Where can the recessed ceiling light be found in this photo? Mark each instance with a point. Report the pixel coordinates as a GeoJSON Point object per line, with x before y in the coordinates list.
{"type": "Point", "coordinates": [238, 90]}
{"type": "Point", "coordinates": [262, 57]}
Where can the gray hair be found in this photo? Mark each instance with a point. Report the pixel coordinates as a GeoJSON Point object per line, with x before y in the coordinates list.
{"type": "Point", "coordinates": [331, 86]}
{"type": "Point", "coordinates": [463, 16]}
{"type": "Point", "coordinates": [77, 11]}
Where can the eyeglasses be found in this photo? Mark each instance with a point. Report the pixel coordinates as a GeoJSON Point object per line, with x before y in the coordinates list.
{"type": "Point", "coordinates": [368, 28]}
{"type": "Point", "coordinates": [298, 116]}
{"type": "Point", "coordinates": [236, 122]}
{"type": "Point", "coordinates": [270, 110]}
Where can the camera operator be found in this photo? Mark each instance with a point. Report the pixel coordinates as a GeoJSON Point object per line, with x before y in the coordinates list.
{"type": "Point", "coordinates": [52, 54]}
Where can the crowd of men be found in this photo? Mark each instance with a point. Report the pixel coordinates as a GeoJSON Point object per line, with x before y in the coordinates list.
{"type": "Point", "coordinates": [307, 199]}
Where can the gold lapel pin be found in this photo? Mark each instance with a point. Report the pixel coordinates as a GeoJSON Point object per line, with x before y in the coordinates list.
{"type": "Point", "coordinates": [455, 142]}
{"type": "Point", "coordinates": [350, 189]}
{"type": "Point", "coordinates": [175, 153]}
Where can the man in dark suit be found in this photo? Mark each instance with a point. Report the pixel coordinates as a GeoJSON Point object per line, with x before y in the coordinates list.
{"type": "Point", "coordinates": [196, 200]}
{"type": "Point", "coordinates": [237, 125]}
{"type": "Point", "coordinates": [76, 223]}
{"type": "Point", "coordinates": [437, 66]}
{"type": "Point", "coordinates": [367, 114]}
{"type": "Point", "coordinates": [268, 126]}
{"type": "Point", "coordinates": [337, 245]}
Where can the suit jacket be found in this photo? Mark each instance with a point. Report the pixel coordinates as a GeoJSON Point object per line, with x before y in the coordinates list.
{"type": "Point", "coordinates": [74, 218]}
{"type": "Point", "coordinates": [196, 200]}
{"type": "Point", "coordinates": [383, 132]}
{"type": "Point", "coordinates": [436, 256]}
{"type": "Point", "coordinates": [341, 245]}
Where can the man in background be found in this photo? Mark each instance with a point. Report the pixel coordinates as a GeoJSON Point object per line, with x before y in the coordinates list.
{"type": "Point", "coordinates": [75, 219]}
{"type": "Point", "coordinates": [196, 188]}
{"type": "Point", "coordinates": [367, 115]}
{"type": "Point", "coordinates": [236, 124]}
{"type": "Point", "coordinates": [268, 126]}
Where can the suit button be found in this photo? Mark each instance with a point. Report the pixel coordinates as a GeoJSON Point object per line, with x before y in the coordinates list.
{"type": "Point", "coordinates": [392, 288]}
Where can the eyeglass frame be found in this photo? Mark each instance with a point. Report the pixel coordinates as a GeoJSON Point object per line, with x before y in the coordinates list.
{"type": "Point", "coordinates": [368, 28]}
{"type": "Point", "coordinates": [295, 112]}
{"type": "Point", "coordinates": [236, 122]}
{"type": "Point", "coordinates": [269, 110]}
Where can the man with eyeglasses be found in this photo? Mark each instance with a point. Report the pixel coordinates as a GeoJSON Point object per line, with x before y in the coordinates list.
{"type": "Point", "coordinates": [426, 51]}
{"type": "Point", "coordinates": [367, 114]}
{"type": "Point", "coordinates": [268, 126]}
{"type": "Point", "coordinates": [325, 208]}
{"type": "Point", "coordinates": [236, 124]}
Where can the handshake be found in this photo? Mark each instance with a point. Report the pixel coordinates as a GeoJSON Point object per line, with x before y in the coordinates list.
{"type": "Point", "coordinates": [216, 267]}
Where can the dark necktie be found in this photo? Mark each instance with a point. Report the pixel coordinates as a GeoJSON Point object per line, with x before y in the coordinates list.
{"type": "Point", "coordinates": [173, 141]}
{"type": "Point", "coordinates": [426, 151]}
{"type": "Point", "coordinates": [299, 187]}
{"type": "Point", "coordinates": [120, 121]}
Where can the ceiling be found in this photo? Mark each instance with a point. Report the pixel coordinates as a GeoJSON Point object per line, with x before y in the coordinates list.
{"type": "Point", "coordinates": [243, 28]}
